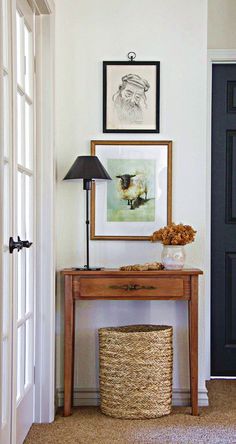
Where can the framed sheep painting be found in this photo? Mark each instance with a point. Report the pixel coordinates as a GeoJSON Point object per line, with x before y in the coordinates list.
{"type": "Point", "coordinates": [131, 97]}
{"type": "Point", "coordinates": [138, 199]}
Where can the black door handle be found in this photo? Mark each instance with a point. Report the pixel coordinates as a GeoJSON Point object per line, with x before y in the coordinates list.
{"type": "Point", "coordinates": [18, 245]}
{"type": "Point", "coordinates": [26, 244]}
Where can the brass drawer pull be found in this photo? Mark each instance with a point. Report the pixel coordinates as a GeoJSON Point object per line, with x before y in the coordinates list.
{"type": "Point", "coordinates": [132, 287]}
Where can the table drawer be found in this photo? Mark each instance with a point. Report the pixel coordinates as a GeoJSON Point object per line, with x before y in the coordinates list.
{"type": "Point", "coordinates": [131, 288]}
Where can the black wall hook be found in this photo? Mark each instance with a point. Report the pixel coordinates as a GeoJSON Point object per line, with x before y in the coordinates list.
{"type": "Point", "coordinates": [131, 56]}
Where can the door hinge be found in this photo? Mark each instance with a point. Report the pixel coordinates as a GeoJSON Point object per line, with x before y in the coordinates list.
{"type": "Point", "coordinates": [35, 65]}
{"type": "Point", "coordinates": [34, 375]}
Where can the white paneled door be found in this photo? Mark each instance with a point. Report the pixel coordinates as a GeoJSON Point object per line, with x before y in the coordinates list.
{"type": "Point", "coordinates": [18, 209]}
{"type": "Point", "coordinates": [6, 227]}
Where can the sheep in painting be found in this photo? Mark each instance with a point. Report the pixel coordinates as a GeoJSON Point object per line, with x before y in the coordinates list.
{"type": "Point", "coordinates": [131, 187]}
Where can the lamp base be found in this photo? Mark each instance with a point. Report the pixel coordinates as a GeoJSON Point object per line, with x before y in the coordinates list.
{"type": "Point", "coordinates": [88, 269]}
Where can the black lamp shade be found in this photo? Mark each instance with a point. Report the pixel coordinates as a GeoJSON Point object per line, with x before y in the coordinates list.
{"type": "Point", "coordinates": [87, 167]}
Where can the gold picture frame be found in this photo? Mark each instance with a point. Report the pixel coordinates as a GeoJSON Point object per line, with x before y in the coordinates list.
{"type": "Point", "coordinates": [113, 215]}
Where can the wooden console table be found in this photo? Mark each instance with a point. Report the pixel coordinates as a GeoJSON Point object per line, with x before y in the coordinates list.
{"type": "Point", "coordinates": [132, 285]}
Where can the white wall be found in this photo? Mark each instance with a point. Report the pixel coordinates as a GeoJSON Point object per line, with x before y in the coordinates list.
{"type": "Point", "coordinates": [86, 34]}
{"type": "Point", "coordinates": [221, 24]}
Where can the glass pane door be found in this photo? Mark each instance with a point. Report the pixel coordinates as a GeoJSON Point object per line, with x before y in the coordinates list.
{"type": "Point", "coordinates": [17, 213]}
{"type": "Point", "coordinates": [6, 225]}
{"type": "Point", "coordinates": [24, 220]}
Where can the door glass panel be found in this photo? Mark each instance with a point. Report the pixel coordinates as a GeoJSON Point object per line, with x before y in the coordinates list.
{"type": "Point", "coordinates": [5, 34]}
{"type": "Point", "coordinates": [20, 209]}
{"type": "Point", "coordinates": [20, 360]}
{"type": "Point", "coordinates": [28, 352]}
{"type": "Point", "coordinates": [6, 205]}
{"type": "Point", "coordinates": [6, 115]}
{"type": "Point", "coordinates": [21, 254]}
{"type": "Point", "coordinates": [6, 293]}
{"type": "Point", "coordinates": [28, 134]}
{"type": "Point", "coordinates": [29, 236]}
{"type": "Point", "coordinates": [29, 207]}
{"type": "Point", "coordinates": [21, 283]}
{"type": "Point", "coordinates": [5, 379]}
{"type": "Point", "coordinates": [20, 49]}
{"type": "Point", "coordinates": [28, 61]}
{"type": "Point", "coordinates": [20, 132]}
{"type": "Point", "coordinates": [29, 280]}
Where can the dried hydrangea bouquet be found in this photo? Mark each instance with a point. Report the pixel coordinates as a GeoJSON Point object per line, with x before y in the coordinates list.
{"type": "Point", "coordinates": [173, 237]}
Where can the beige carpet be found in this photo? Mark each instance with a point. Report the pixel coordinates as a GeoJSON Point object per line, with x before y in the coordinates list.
{"type": "Point", "coordinates": [216, 424]}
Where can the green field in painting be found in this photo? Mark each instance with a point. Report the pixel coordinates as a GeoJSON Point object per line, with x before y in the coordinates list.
{"type": "Point", "coordinates": [144, 213]}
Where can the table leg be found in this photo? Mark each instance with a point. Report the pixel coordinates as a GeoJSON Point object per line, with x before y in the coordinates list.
{"type": "Point", "coordinates": [68, 345]}
{"type": "Point", "coordinates": [193, 344]}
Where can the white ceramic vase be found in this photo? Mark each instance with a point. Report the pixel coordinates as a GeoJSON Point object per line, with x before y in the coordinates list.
{"type": "Point", "coordinates": [173, 257]}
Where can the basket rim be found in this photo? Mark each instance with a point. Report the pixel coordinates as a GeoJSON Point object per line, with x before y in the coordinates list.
{"type": "Point", "coordinates": [137, 329]}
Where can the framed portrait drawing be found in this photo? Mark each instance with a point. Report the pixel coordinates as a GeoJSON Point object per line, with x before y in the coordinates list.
{"type": "Point", "coordinates": [131, 92]}
{"type": "Point", "coordinates": [137, 201]}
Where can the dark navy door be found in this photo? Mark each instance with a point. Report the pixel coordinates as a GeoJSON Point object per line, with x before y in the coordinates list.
{"type": "Point", "coordinates": [223, 221]}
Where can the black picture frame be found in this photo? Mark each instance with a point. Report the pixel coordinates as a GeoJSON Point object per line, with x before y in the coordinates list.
{"type": "Point", "coordinates": [143, 78]}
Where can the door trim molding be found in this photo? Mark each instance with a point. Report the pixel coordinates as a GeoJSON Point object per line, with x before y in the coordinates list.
{"type": "Point", "coordinates": [214, 56]}
{"type": "Point", "coordinates": [45, 256]}
{"type": "Point", "coordinates": [221, 55]}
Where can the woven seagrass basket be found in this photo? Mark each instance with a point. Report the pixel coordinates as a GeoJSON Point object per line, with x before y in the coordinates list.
{"type": "Point", "coordinates": [136, 364]}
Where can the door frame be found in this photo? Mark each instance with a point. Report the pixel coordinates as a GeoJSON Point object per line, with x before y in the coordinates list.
{"type": "Point", "coordinates": [1, 193]}
{"type": "Point", "coordinates": [224, 56]}
{"type": "Point", "coordinates": [45, 186]}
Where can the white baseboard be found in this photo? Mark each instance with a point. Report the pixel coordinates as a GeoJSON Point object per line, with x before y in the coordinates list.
{"type": "Point", "coordinates": [90, 397]}
{"type": "Point", "coordinates": [181, 397]}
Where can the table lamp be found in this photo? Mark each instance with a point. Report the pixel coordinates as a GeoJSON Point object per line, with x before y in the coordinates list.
{"type": "Point", "coordinates": [87, 168]}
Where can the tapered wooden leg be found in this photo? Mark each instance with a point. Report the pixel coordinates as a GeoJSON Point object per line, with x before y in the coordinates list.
{"type": "Point", "coordinates": [68, 345]}
{"type": "Point", "coordinates": [73, 354]}
{"type": "Point", "coordinates": [193, 344]}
